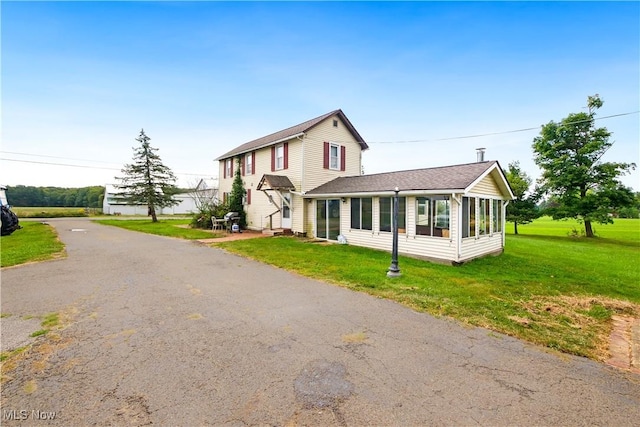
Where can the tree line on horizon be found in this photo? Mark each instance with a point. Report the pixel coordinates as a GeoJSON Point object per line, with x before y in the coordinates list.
{"type": "Point", "coordinates": [29, 196]}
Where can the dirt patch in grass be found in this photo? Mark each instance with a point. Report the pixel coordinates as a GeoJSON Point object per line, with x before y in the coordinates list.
{"type": "Point", "coordinates": [591, 315]}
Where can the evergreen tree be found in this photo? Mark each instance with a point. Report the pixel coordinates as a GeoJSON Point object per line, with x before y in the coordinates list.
{"type": "Point", "coordinates": [569, 154]}
{"type": "Point", "coordinates": [147, 181]}
{"type": "Point", "coordinates": [522, 209]}
{"type": "Point", "coordinates": [237, 197]}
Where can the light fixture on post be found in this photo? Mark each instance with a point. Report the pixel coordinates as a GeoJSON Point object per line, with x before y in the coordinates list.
{"type": "Point", "coordinates": [394, 271]}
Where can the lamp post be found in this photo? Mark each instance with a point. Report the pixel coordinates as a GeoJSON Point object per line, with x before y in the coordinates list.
{"type": "Point", "coordinates": [394, 271]}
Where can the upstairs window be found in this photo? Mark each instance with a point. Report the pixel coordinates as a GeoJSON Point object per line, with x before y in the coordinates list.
{"type": "Point", "coordinates": [334, 156]}
{"type": "Point", "coordinates": [228, 168]}
{"type": "Point", "coordinates": [279, 157]}
{"type": "Point", "coordinates": [248, 163]}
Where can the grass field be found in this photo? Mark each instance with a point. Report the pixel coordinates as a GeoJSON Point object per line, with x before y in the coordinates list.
{"type": "Point", "coordinates": [33, 242]}
{"type": "Point", "coordinates": [49, 212]}
{"type": "Point", "coordinates": [169, 227]}
{"type": "Point", "coordinates": [547, 287]}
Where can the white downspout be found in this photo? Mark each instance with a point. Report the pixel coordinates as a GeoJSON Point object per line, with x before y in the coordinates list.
{"type": "Point", "coordinates": [504, 223]}
{"type": "Point", "coordinates": [302, 188]}
{"type": "Point", "coordinates": [458, 200]}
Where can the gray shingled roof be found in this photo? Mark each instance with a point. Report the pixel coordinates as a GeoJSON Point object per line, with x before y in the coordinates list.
{"type": "Point", "coordinates": [291, 132]}
{"type": "Point", "coordinates": [455, 177]}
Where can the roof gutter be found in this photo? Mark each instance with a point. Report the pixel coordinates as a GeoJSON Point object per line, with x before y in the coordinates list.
{"type": "Point", "coordinates": [384, 193]}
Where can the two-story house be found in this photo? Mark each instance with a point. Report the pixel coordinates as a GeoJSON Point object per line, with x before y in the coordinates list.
{"type": "Point", "coordinates": [278, 169]}
{"type": "Point", "coordinates": [307, 179]}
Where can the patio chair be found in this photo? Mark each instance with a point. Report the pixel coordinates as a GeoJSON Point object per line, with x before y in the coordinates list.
{"type": "Point", "coordinates": [218, 224]}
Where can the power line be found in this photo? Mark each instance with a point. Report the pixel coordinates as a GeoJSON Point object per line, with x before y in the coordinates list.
{"type": "Point", "coordinates": [368, 142]}
{"type": "Point", "coordinates": [57, 164]}
{"type": "Point", "coordinates": [55, 157]}
{"type": "Point", "coordinates": [496, 133]}
{"type": "Point", "coordinates": [87, 167]}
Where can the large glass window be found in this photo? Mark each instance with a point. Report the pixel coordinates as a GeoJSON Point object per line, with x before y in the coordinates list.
{"type": "Point", "coordinates": [386, 214]}
{"type": "Point", "coordinates": [361, 213]}
{"type": "Point", "coordinates": [334, 219]}
{"type": "Point", "coordinates": [484, 218]}
{"type": "Point", "coordinates": [328, 219]}
{"type": "Point", "coordinates": [433, 216]}
{"type": "Point", "coordinates": [478, 216]}
{"type": "Point", "coordinates": [441, 211]}
{"type": "Point", "coordinates": [321, 219]}
{"type": "Point", "coordinates": [468, 216]}
{"type": "Point", "coordinates": [423, 223]}
{"type": "Point", "coordinates": [497, 216]}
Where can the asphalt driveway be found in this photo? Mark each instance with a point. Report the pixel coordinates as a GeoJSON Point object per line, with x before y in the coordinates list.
{"type": "Point", "coordinates": [170, 332]}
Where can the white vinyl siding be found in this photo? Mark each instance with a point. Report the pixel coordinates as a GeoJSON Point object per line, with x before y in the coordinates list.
{"type": "Point", "coordinates": [486, 187]}
{"type": "Point", "coordinates": [408, 243]}
{"type": "Point", "coordinates": [314, 172]}
{"type": "Point", "coordinates": [474, 248]}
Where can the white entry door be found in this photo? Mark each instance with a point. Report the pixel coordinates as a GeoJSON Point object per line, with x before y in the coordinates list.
{"type": "Point", "coordinates": [286, 211]}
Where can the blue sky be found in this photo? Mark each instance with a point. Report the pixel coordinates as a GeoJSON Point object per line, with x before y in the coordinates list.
{"type": "Point", "coordinates": [80, 79]}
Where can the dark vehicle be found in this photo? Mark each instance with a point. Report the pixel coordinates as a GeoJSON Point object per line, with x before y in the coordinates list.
{"type": "Point", "coordinates": [8, 219]}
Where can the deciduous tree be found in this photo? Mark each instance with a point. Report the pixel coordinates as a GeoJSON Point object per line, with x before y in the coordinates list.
{"type": "Point", "coordinates": [570, 156]}
{"type": "Point", "coordinates": [147, 181]}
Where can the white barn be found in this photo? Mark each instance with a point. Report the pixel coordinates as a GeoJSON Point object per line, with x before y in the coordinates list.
{"type": "Point", "coordinates": [113, 204]}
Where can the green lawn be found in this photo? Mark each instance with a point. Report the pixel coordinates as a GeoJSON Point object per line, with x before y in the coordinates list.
{"type": "Point", "coordinates": [33, 242]}
{"type": "Point", "coordinates": [554, 290]}
{"type": "Point", "coordinates": [622, 230]}
{"type": "Point", "coordinates": [169, 227]}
